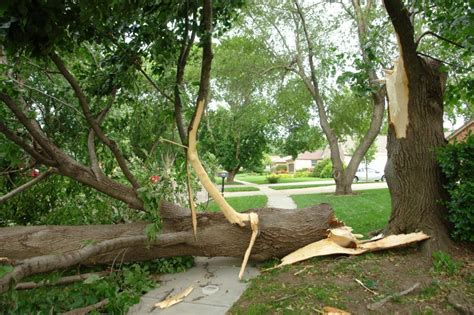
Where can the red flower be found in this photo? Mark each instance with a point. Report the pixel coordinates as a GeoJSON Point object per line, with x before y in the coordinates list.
{"type": "Point", "coordinates": [35, 172]}
{"type": "Point", "coordinates": [155, 179]}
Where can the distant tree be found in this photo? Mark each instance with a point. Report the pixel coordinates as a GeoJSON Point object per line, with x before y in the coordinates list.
{"type": "Point", "coordinates": [311, 58]}
{"type": "Point", "coordinates": [238, 138]}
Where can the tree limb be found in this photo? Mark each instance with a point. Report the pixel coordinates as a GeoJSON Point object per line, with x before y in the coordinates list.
{"type": "Point", "coordinates": [25, 146]}
{"type": "Point", "coordinates": [182, 61]}
{"type": "Point", "coordinates": [63, 280]}
{"type": "Point", "coordinates": [25, 186]}
{"type": "Point", "coordinates": [32, 126]}
{"type": "Point", "coordinates": [87, 309]}
{"type": "Point", "coordinates": [400, 18]}
{"type": "Point", "coordinates": [21, 84]}
{"type": "Point", "coordinates": [92, 122]}
{"type": "Point", "coordinates": [90, 139]}
{"type": "Point", "coordinates": [48, 263]}
{"type": "Point", "coordinates": [417, 42]}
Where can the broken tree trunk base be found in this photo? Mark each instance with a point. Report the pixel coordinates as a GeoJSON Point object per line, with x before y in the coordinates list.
{"type": "Point", "coordinates": [281, 232]}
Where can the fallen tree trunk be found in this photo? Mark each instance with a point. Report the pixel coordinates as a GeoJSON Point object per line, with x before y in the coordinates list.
{"type": "Point", "coordinates": [281, 232]}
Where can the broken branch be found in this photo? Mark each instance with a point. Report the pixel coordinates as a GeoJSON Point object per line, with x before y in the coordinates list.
{"type": "Point", "coordinates": [25, 186]}
{"type": "Point", "coordinates": [63, 280]}
{"type": "Point", "coordinates": [379, 304]}
{"type": "Point", "coordinates": [88, 309]}
{"type": "Point", "coordinates": [48, 263]}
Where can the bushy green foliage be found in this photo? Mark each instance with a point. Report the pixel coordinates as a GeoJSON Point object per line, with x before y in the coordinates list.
{"type": "Point", "coordinates": [273, 178]}
{"type": "Point", "coordinates": [457, 163]}
{"type": "Point", "coordinates": [302, 174]}
{"type": "Point", "coordinates": [281, 169]}
{"type": "Point", "coordinates": [319, 167]}
{"type": "Point", "coordinates": [59, 200]}
{"type": "Point", "coordinates": [172, 264]}
{"type": "Point", "coordinates": [123, 288]}
{"type": "Point", "coordinates": [326, 172]}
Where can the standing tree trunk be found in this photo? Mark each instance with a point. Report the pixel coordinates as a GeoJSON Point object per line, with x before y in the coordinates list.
{"type": "Point", "coordinates": [232, 173]}
{"type": "Point", "coordinates": [415, 132]}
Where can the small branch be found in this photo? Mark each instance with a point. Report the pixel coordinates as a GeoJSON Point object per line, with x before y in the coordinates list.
{"type": "Point", "coordinates": [31, 125]}
{"type": "Point", "coordinates": [417, 42]}
{"type": "Point", "coordinates": [88, 309]}
{"type": "Point", "coordinates": [379, 304]}
{"type": "Point", "coordinates": [25, 186]}
{"type": "Point", "coordinates": [182, 62]}
{"type": "Point", "coordinates": [63, 280]}
{"type": "Point", "coordinates": [90, 139]}
{"type": "Point", "coordinates": [172, 142]}
{"type": "Point", "coordinates": [365, 287]}
{"type": "Point", "coordinates": [21, 84]}
{"type": "Point", "coordinates": [150, 80]}
{"type": "Point", "coordinates": [442, 61]}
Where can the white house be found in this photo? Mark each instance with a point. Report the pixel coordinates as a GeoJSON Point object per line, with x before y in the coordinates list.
{"type": "Point", "coordinates": [380, 158]}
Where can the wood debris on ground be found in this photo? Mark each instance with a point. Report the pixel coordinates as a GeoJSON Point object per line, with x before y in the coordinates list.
{"type": "Point", "coordinates": [342, 241]}
{"type": "Point", "coordinates": [174, 299]}
{"type": "Point", "coordinates": [328, 310]}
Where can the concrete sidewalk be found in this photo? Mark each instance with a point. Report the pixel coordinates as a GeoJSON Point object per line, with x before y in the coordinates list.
{"type": "Point", "coordinates": [216, 288]}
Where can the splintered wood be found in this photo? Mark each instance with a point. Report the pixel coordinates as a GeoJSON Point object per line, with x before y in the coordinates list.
{"type": "Point", "coordinates": [398, 95]}
{"type": "Point", "coordinates": [174, 299]}
{"type": "Point", "coordinates": [341, 241]}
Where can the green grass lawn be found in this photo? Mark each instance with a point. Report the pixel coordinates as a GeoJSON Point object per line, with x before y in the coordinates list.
{"type": "Point", "coordinates": [366, 211]}
{"type": "Point", "coordinates": [243, 188]}
{"type": "Point", "coordinates": [298, 186]}
{"type": "Point", "coordinates": [241, 203]}
{"type": "Point", "coordinates": [262, 179]}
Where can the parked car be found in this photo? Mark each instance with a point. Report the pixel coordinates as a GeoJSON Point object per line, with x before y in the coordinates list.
{"type": "Point", "coordinates": [369, 175]}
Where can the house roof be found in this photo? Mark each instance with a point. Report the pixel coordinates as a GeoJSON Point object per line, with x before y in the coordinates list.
{"type": "Point", "coordinates": [461, 129]}
{"type": "Point", "coordinates": [278, 159]}
{"type": "Point", "coordinates": [316, 155]}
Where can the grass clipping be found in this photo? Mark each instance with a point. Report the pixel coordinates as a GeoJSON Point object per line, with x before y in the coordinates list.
{"type": "Point", "coordinates": [342, 241]}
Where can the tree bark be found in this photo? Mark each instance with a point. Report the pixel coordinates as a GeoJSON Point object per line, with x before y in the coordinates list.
{"type": "Point", "coordinates": [344, 183]}
{"type": "Point", "coordinates": [413, 176]}
{"type": "Point", "coordinates": [232, 173]}
{"type": "Point", "coordinates": [281, 232]}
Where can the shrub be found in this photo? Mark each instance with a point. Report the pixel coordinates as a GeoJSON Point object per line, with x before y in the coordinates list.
{"type": "Point", "coordinates": [273, 178]}
{"type": "Point", "coordinates": [319, 167]}
{"type": "Point", "coordinates": [457, 163]}
{"type": "Point", "coordinates": [281, 169]}
{"type": "Point", "coordinates": [327, 171]}
{"type": "Point", "coordinates": [302, 174]}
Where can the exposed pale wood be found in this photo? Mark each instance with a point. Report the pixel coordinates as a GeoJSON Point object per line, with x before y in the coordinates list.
{"type": "Point", "coordinates": [328, 246]}
{"type": "Point", "coordinates": [174, 299]}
